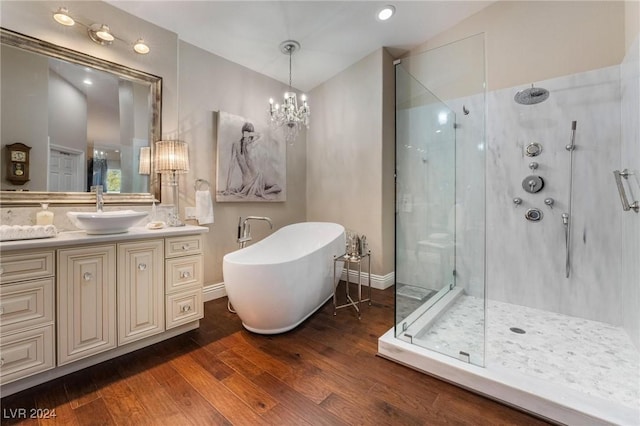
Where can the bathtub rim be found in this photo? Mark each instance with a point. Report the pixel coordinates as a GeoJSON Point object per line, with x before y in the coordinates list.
{"type": "Point", "coordinates": [229, 258]}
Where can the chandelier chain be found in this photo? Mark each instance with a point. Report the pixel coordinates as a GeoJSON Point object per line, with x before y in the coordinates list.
{"type": "Point", "coordinates": [290, 52]}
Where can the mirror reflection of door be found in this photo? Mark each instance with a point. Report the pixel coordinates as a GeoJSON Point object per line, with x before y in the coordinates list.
{"type": "Point", "coordinates": [66, 171]}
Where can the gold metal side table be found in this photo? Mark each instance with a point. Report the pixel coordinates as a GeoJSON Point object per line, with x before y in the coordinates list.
{"type": "Point", "coordinates": [348, 261]}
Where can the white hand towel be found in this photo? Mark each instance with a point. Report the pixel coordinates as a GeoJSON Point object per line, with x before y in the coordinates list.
{"type": "Point", "coordinates": [204, 207]}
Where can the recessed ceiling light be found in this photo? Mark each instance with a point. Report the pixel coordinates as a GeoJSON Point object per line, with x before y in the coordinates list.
{"type": "Point", "coordinates": [386, 13]}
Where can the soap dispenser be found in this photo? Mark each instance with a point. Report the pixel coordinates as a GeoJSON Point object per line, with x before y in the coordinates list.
{"type": "Point", "coordinates": [44, 217]}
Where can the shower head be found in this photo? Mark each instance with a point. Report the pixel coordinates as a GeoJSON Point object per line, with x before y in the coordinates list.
{"type": "Point", "coordinates": [531, 96]}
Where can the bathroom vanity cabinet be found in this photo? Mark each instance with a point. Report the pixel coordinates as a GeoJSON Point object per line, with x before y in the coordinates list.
{"type": "Point", "coordinates": [113, 294]}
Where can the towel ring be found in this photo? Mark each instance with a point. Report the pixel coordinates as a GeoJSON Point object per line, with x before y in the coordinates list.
{"type": "Point", "coordinates": [199, 184]}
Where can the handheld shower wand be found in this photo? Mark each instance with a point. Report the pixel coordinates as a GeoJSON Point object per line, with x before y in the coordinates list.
{"type": "Point", "coordinates": [566, 217]}
{"type": "Point", "coordinates": [572, 144]}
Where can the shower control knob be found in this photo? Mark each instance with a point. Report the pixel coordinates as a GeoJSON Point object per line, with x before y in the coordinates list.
{"type": "Point", "coordinates": [549, 202]}
{"type": "Point", "coordinates": [533, 215]}
{"type": "Point", "coordinates": [533, 165]}
{"type": "Point", "coordinates": [517, 201]}
{"type": "Point", "coordinates": [532, 184]}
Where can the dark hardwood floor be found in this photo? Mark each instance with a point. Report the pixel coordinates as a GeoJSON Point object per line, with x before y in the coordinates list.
{"type": "Point", "coordinates": [324, 372]}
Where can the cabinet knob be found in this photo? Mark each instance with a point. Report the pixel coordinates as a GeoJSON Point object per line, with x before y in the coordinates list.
{"type": "Point", "coordinates": [186, 308]}
{"type": "Point", "coordinates": [185, 274]}
{"type": "Point", "coordinates": [87, 276]}
{"type": "Point", "coordinates": [185, 247]}
{"type": "Point", "coordinates": [1, 362]}
{"type": "Point", "coordinates": [142, 266]}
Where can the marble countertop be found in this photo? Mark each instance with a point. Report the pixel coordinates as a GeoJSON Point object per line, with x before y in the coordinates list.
{"type": "Point", "coordinates": [69, 238]}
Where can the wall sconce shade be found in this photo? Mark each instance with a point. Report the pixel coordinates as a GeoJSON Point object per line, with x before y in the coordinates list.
{"type": "Point", "coordinates": [62, 17]}
{"type": "Point", "coordinates": [172, 156]}
{"type": "Point", "coordinates": [144, 164]}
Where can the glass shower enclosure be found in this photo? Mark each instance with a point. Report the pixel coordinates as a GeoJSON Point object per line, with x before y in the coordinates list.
{"type": "Point", "coordinates": [538, 311]}
{"type": "Point", "coordinates": [439, 181]}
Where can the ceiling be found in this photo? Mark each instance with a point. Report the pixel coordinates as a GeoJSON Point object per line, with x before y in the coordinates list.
{"type": "Point", "coordinates": [333, 34]}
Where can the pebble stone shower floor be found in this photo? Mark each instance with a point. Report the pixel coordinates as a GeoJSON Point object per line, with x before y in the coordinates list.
{"type": "Point", "coordinates": [589, 356]}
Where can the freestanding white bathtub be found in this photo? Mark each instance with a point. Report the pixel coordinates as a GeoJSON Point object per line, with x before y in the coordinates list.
{"type": "Point", "coordinates": [277, 283]}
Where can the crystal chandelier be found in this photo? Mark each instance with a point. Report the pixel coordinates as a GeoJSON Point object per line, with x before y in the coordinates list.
{"type": "Point", "coordinates": [289, 115]}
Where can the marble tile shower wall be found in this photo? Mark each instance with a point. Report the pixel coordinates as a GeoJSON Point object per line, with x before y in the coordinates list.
{"type": "Point", "coordinates": [470, 194]}
{"type": "Point", "coordinates": [425, 196]}
{"type": "Point", "coordinates": [429, 173]}
{"type": "Point", "coordinates": [630, 158]}
{"type": "Point", "coordinates": [526, 260]}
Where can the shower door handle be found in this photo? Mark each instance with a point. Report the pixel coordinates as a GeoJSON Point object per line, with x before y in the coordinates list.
{"type": "Point", "coordinates": [635, 206]}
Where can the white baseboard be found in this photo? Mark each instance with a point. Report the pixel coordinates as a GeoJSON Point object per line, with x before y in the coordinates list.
{"type": "Point", "coordinates": [213, 291]}
{"type": "Point", "coordinates": [379, 282]}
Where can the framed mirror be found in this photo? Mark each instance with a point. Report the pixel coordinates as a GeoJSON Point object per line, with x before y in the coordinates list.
{"type": "Point", "coordinates": [86, 122]}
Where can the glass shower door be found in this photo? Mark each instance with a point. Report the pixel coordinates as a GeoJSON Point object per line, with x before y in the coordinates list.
{"type": "Point", "coordinates": [425, 200]}
{"type": "Point", "coordinates": [440, 200]}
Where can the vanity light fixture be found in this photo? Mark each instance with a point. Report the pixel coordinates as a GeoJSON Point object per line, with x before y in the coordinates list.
{"type": "Point", "coordinates": [172, 158]}
{"type": "Point", "coordinates": [289, 116]}
{"type": "Point", "coordinates": [99, 33]}
{"type": "Point", "coordinates": [385, 13]}
{"type": "Point", "coordinates": [62, 17]}
{"type": "Point", "coordinates": [141, 47]}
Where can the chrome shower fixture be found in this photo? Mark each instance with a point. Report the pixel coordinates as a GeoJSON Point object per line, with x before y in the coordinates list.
{"type": "Point", "coordinates": [572, 144]}
{"type": "Point", "coordinates": [531, 96]}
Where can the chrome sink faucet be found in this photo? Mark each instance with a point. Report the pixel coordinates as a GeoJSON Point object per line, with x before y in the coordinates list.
{"type": "Point", "coordinates": [99, 197]}
{"type": "Point", "coordinates": [244, 228]}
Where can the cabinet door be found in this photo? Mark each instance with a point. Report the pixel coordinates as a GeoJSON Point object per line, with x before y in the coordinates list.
{"type": "Point", "coordinates": [140, 290]}
{"type": "Point", "coordinates": [86, 295]}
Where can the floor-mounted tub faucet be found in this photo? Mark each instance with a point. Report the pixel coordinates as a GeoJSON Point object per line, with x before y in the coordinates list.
{"type": "Point", "coordinates": [244, 228]}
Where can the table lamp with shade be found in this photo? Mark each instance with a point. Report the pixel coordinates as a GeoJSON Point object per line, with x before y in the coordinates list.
{"type": "Point", "coordinates": [172, 159]}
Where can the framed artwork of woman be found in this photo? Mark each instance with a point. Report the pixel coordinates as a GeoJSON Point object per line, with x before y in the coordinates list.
{"type": "Point", "coordinates": [251, 163]}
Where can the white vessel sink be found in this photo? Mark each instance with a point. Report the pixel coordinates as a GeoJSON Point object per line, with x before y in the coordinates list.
{"type": "Point", "coordinates": [112, 222]}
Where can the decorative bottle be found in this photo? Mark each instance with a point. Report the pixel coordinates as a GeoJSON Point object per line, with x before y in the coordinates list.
{"type": "Point", "coordinates": [44, 217]}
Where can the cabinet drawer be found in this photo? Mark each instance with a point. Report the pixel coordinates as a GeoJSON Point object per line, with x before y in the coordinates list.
{"type": "Point", "coordinates": [181, 246]}
{"type": "Point", "coordinates": [184, 307]}
{"type": "Point", "coordinates": [26, 266]}
{"type": "Point", "coordinates": [26, 353]}
{"type": "Point", "coordinates": [183, 272]}
{"type": "Point", "coordinates": [26, 304]}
